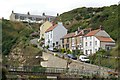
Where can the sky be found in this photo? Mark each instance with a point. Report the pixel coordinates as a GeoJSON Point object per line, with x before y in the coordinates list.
{"type": "Point", "coordinates": [49, 7]}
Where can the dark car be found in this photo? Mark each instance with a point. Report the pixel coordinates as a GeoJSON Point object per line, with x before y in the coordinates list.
{"type": "Point", "coordinates": [72, 56]}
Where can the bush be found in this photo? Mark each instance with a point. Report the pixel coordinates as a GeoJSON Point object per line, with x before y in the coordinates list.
{"type": "Point", "coordinates": [63, 50]}
{"type": "Point", "coordinates": [34, 45]}
{"type": "Point", "coordinates": [68, 51]}
{"type": "Point", "coordinates": [47, 46]}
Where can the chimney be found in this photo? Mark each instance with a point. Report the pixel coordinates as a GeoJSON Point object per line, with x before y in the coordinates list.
{"type": "Point", "coordinates": [57, 14]}
{"type": "Point", "coordinates": [101, 27]}
{"type": "Point", "coordinates": [12, 11]}
{"type": "Point", "coordinates": [43, 14]}
{"type": "Point", "coordinates": [78, 28]}
{"type": "Point", "coordinates": [28, 13]}
{"type": "Point", "coordinates": [76, 32]}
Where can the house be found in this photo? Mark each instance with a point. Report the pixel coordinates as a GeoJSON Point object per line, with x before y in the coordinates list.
{"type": "Point", "coordinates": [54, 34]}
{"type": "Point", "coordinates": [74, 40]}
{"type": "Point", "coordinates": [30, 18]}
{"type": "Point", "coordinates": [95, 40]}
{"type": "Point", "coordinates": [43, 28]}
{"type": "Point", "coordinates": [66, 41]}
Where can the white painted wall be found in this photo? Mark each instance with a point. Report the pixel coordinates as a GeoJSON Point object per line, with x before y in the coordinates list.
{"type": "Point", "coordinates": [58, 33]}
{"type": "Point", "coordinates": [89, 47]}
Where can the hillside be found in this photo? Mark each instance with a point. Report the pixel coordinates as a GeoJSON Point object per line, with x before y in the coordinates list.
{"type": "Point", "coordinates": [108, 17]}
{"type": "Point", "coordinates": [16, 46]}
{"type": "Point", "coordinates": [92, 17]}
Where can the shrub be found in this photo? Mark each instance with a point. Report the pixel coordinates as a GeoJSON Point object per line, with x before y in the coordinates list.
{"type": "Point", "coordinates": [68, 51]}
{"type": "Point", "coordinates": [63, 50]}
{"type": "Point", "coordinates": [34, 45]}
{"type": "Point", "coordinates": [47, 46]}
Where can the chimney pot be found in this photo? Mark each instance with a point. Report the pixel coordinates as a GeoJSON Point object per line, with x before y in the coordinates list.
{"type": "Point", "coordinates": [28, 13]}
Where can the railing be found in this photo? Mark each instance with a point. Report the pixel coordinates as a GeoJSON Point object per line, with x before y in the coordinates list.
{"type": "Point", "coordinates": [51, 70]}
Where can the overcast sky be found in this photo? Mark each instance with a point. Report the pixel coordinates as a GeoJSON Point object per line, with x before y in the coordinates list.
{"type": "Point", "coordinates": [50, 7]}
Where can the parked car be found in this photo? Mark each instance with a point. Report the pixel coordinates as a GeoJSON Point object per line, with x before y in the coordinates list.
{"type": "Point", "coordinates": [52, 49]}
{"type": "Point", "coordinates": [83, 58]}
{"type": "Point", "coordinates": [72, 56]}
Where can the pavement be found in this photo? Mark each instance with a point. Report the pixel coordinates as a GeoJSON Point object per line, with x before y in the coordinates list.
{"type": "Point", "coordinates": [51, 60]}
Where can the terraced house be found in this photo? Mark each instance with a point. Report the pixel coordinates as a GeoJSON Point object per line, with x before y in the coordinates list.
{"type": "Point", "coordinates": [97, 39]}
{"type": "Point", "coordinates": [74, 40]}
{"type": "Point", "coordinates": [30, 18]}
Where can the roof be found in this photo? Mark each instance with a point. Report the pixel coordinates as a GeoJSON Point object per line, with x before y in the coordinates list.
{"type": "Point", "coordinates": [105, 39]}
{"type": "Point", "coordinates": [92, 33]}
{"type": "Point", "coordinates": [26, 15]}
{"type": "Point", "coordinates": [69, 35]}
{"type": "Point", "coordinates": [79, 34]}
{"type": "Point", "coordinates": [51, 28]}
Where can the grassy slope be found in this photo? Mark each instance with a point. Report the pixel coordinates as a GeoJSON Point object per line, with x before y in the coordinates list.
{"type": "Point", "coordinates": [105, 16]}
{"type": "Point", "coordinates": [17, 35]}
{"type": "Point", "coordinates": [92, 17]}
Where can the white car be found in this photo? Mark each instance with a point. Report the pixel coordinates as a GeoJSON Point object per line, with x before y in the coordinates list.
{"type": "Point", "coordinates": [83, 58]}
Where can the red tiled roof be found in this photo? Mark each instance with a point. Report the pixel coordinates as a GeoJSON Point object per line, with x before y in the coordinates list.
{"type": "Point", "coordinates": [69, 35]}
{"type": "Point", "coordinates": [92, 33]}
{"type": "Point", "coordinates": [104, 39]}
{"type": "Point", "coordinates": [51, 28]}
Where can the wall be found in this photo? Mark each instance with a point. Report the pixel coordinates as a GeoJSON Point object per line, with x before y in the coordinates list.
{"type": "Point", "coordinates": [102, 33]}
{"type": "Point", "coordinates": [43, 28]}
{"type": "Point", "coordinates": [58, 32]}
{"type": "Point", "coordinates": [93, 46]}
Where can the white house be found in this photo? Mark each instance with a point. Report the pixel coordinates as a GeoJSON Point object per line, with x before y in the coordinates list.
{"type": "Point", "coordinates": [95, 40]}
{"type": "Point", "coordinates": [54, 34]}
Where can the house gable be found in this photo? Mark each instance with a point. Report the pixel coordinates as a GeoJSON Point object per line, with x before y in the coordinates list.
{"type": "Point", "coordinates": [102, 33]}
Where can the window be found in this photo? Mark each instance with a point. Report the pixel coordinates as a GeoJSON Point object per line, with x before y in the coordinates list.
{"type": "Point", "coordinates": [63, 41]}
{"type": "Point", "coordinates": [22, 17]}
{"type": "Point", "coordinates": [67, 45]}
{"type": "Point", "coordinates": [53, 44]}
{"type": "Point", "coordinates": [86, 44]}
{"type": "Point", "coordinates": [95, 42]}
{"type": "Point", "coordinates": [90, 51]}
{"type": "Point", "coordinates": [16, 16]}
{"type": "Point", "coordinates": [86, 52]}
{"type": "Point", "coordinates": [48, 41]}
{"type": "Point", "coordinates": [57, 43]}
{"type": "Point", "coordinates": [51, 35]}
{"type": "Point", "coordinates": [63, 46]}
{"type": "Point", "coordinates": [30, 18]}
{"type": "Point", "coordinates": [38, 19]}
{"type": "Point", "coordinates": [90, 43]}
{"type": "Point", "coordinates": [95, 50]}
{"type": "Point", "coordinates": [90, 37]}
{"type": "Point", "coordinates": [67, 40]}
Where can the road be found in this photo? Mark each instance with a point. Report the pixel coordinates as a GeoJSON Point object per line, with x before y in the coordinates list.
{"type": "Point", "coordinates": [53, 61]}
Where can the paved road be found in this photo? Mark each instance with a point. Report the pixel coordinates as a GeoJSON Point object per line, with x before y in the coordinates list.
{"type": "Point", "coordinates": [53, 61]}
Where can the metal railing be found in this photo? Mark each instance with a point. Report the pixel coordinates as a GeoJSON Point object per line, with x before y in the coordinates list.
{"type": "Point", "coordinates": [39, 69]}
